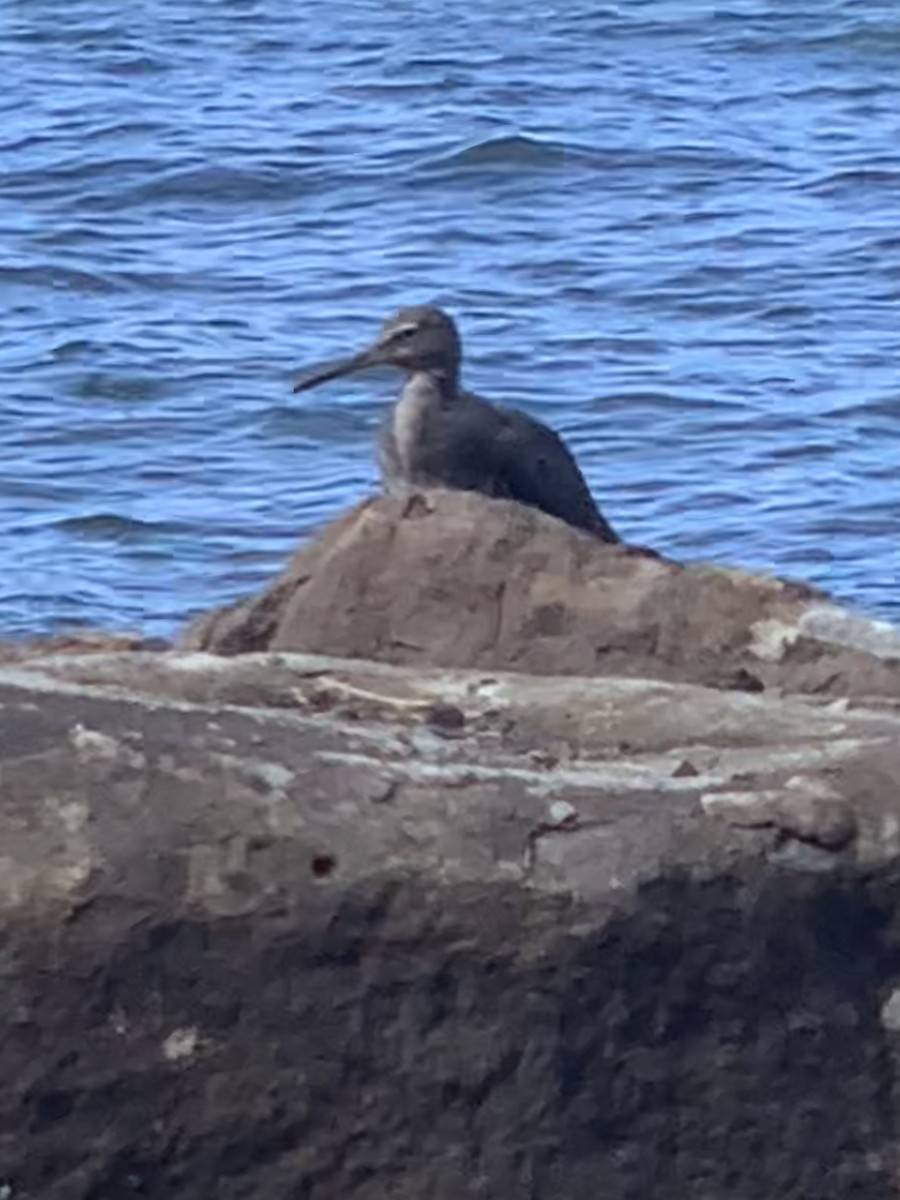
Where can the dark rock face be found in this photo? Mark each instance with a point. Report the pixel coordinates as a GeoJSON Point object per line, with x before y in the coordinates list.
{"type": "Point", "coordinates": [270, 930]}
{"type": "Point", "coordinates": [455, 579]}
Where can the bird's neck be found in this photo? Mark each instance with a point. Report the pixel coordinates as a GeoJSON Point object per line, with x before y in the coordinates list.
{"type": "Point", "coordinates": [442, 381]}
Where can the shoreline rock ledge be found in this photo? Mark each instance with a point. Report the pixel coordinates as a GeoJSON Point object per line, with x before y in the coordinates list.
{"type": "Point", "coordinates": [472, 859]}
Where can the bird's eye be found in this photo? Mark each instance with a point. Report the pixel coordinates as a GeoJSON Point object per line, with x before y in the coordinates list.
{"type": "Point", "coordinates": [404, 333]}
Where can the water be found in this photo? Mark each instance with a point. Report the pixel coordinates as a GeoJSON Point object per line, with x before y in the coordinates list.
{"type": "Point", "coordinates": [672, 229]}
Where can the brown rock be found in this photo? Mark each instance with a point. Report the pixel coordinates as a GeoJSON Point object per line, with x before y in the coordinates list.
{"type": "Point", "coordinates": [252, 949]}
{"type": "Point", "coordinates": [456, 579]}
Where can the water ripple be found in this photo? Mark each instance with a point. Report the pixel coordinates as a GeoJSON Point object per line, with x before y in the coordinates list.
{"type": "Point", "coordinates": [683, 252]}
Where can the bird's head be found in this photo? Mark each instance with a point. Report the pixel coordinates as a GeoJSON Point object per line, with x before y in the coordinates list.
{"type": "Point", "coordinates": [420, 338]}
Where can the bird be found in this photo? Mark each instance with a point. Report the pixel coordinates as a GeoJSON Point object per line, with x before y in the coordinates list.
{"type": "Point", "coordinates": [439, 435]}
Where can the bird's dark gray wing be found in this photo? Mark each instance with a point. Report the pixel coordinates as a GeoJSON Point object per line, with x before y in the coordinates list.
{"type": "Point", "coordinates": [536, 467]}
{"type": "Point", "coordinates": [458, 445]}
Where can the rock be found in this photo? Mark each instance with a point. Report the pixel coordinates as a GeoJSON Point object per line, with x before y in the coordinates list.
{"type": "Point", "coordinates": [808, 809]}
{"type": "Point", "coordinates": [81, 641]}
{"type": "Point", "coordinates": [269, 932]}
{"type": "Point", "coordinates": [458, 580]}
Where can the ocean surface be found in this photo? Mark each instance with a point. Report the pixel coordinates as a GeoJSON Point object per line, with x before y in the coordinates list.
{"type": "Point", "coordinates": [670, 228]}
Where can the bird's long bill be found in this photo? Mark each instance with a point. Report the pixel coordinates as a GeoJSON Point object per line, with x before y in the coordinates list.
{"type": "Point", "coordinates": [311, 378]}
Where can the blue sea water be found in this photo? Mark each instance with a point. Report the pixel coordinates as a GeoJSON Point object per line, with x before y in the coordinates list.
{"type": "Point", "coordinates": [671, 229]}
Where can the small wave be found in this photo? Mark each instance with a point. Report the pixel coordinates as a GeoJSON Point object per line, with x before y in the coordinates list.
{"type": "Point", "coordinates": [840, 181]}
{"type": "Point", "coordinates": [74, 348]}
{"type": "Point", "coordinates": [135, 63]}
{"type": "Point", "coordinates": [119, 387]}
{"type": "Point", "coordinates": [515, 150]}
{"type": "Point", "coordinates": [867, 39]}
{"type": "Point", "coordinates": [888, 406]}
{"type": "Point", "coordinates": [113, 527]}
{"type": "Point", "coordinates": [521, 152]}
{"type": "Point", "coordinates": [226, 184]}
{"type": "Point", "coordinates": [55, 276]}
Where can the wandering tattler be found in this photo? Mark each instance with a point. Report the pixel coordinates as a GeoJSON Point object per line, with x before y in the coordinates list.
{"type": "Point", "coordinates": [438, 435]}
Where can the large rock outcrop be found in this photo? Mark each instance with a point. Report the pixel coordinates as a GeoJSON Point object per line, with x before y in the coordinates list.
{"type": "Point", "coordinates": [278, 926]}
{"type": "Point", "coordinates": [454, 579]}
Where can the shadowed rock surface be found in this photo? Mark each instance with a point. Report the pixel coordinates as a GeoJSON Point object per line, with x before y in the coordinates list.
{"type": "Point", "coordinates": [454, 579]}
{"type": "Point", "coordinates": [281, 926]}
